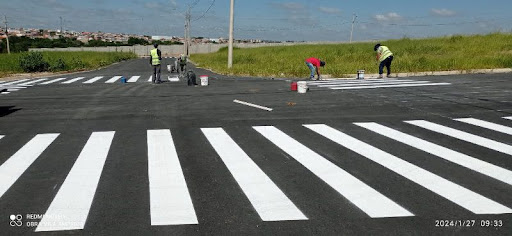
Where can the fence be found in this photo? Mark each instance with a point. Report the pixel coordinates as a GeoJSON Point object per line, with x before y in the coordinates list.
{"type": "Point", "coordinates": [169, 50]}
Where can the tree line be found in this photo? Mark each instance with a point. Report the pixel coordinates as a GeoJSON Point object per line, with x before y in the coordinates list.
{"type": "Point", "coordinates": [22, 44]}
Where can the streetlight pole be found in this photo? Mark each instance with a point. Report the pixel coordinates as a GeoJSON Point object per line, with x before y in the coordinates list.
{"type": "Point", "coordinates": [7, 35]}
{"type": "Point", "coordinates": [351, 31]}
{"type": "Point", "coordinates": [230, 47]}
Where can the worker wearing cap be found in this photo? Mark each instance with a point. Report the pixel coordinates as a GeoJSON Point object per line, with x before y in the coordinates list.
{"type": "Point", "coordinates": [155, 61]}
{"type": "Point", "coordinates": [385, 57]}
{"type": "Point", "coordinates": [314, 64]}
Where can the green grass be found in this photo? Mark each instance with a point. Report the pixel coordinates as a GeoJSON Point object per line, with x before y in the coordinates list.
{"type": "Point", "coordinates": [9, 64]}
{"type": "Point", "coordinates": [411, 55]}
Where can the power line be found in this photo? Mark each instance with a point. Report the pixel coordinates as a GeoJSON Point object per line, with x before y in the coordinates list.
{"type": "Point", "coordinates": [213, 1]}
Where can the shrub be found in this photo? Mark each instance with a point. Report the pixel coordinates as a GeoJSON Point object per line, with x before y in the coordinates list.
{"type": "Point", "coordinates": [59, 65]}
{"type": "Point", "coordinates": [77, 63]}
{"type": "Point", "coordinates": [33, 62]}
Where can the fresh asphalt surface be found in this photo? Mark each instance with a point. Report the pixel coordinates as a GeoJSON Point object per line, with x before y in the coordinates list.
{"type": "Point", "coordinates": [121, 201]}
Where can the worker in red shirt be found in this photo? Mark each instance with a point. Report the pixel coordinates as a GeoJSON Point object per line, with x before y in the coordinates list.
{"type": "Point", "coordinates": [314, 64]}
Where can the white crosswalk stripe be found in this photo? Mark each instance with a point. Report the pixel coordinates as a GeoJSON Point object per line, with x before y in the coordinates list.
{"type": "Point", "coordinates": [150, 79]}
{"type": "Point", "coordinates": [72, 80]}
{"type": "Point", "coordinates": [93, 80]}
{"type": "Point", "coordinates": [469, 162]}
{"type": "Point", "coordinates": [487, 125]}
{"type": "Point", "coordinates": [133, 79]}
{"type": "Point", "coordinates": [481, 141]}
{"type": "Point", "coordinates": [32, 82]}
{"type": "Point", "coordinates": [508, 117]}
{"type": "Point", "coordinates": [461, 196]}
{"type": "Point", "coordinates": [14, 82]}
{"type": "Point", "coordinates": [113, 79]}
{"type": "Point", "coordinates": [268, 200]}
{"type": "Point", "coordinates": [170, 202]}
{"type": "Point", "coordinates": [73, 201]}
{"type": "Point", "coordinates": [14, 167]}
{"type": "Point", "coordinates": [370, 84]}
{"type": "Point", "coordinates": [363, 196]}
{"type": "Point", "coordinates": [53, 81]}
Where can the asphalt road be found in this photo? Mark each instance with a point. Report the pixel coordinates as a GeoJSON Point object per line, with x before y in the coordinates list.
{"type": "Point", "coordinates": [223, 168]}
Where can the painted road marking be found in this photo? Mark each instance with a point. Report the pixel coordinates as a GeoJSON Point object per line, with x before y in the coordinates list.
{"type": "Point", "coordinates": [461, 196]}
{"type": "Point", "coordinates": [72, 80]}
{"type": "Point", "coordinates": [32, 82]}
{"type": "Point", "coordinates": [363, 196]}
{"type": "Point", "coordinates": [15, 82]}
{"type": "Point", "coordinates": [481, 141]}
{"type": "Point", "coordinates": [113, 79]}
{"type": "Point", "coordinates": [53, 81]}
{"type": "Point", "coordinates": [93, 80]}
{"type": "Point", "coordinates": [369, 84]}
{"type": "Point", "coordinates": [252, 105]}
{"type": "Point", "coordinates": [508, 117]}
{"type": "Point", "coordinates": [14, 167]}
{"type": "Point", "coordinates": [70, 207]}
{"type": "Point", "coordinates": [150, 79]}
{"type": "Point", "coordinates": [389, 86]}
{"type": "Point", "coordinates": [352, 80]}
{"type": "Point", "coordinates": [487, 125]}
{"type": "Point", "coordinates": [469, 162]}
{"type": "Point", "coordinates": [268, 200]}
{"type": "Point", "coordinates": [170, 202]}
{"type": "Point", "coordinates": [359, 82]}
{"type": "Point", "coordinates": [133, 79]}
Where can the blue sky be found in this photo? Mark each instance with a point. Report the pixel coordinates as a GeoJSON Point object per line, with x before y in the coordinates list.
{"type": "Point", "coordinates": [308, 20]}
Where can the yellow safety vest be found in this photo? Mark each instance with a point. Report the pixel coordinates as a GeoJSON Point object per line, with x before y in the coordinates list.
{"type": "Point", "coordinates": [155, 60]}
{"type": "Point", "coordinates": [384, 53]}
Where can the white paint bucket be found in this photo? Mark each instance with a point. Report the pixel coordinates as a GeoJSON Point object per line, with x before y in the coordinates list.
{"type": "Point", "coordinates": [302, 87]}
{"type": "Point", "coordinates": [360, 74]}
{"type": "Point", "coordinates": [204, 80]}
{"type": "Point", "coordinates": [169, 68]}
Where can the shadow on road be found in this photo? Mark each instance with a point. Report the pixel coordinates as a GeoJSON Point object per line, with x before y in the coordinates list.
{"type": "Point", "coordinates": [7, 110]}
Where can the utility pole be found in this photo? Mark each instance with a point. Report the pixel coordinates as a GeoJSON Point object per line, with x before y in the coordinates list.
{"type": "Point", "coordinates": [230, 47]}
{"type": "Point", "coordinates": [187, 33]}
{"type": "Point", "coordinates": [353, 21]}
{"type": "Point", "coordinates": [60, 24]}
{"type": "Point", "coordinates": [7, 35]}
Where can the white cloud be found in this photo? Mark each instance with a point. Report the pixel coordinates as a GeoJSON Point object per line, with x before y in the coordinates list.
{"type": "Point", "coordinates": [293, 6]}
{"type": "Point", "coordinates": [152, 5]}
{"type": "Point", "coordinates": [330, 10]}
{"type": "Point", "coordinates": [442, 12]}
{"type": "Point", "coordinates": [392, 16]}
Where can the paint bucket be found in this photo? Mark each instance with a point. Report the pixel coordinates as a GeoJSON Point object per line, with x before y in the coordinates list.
{"type": "Point", "coordinates": [123, 80]}
{"type": "Point", "coordinates": [204, 80]}
{"type": "Point", "coordinates": [293, 86]}
{"type": "Point", "coordinates": [169, 68]}
{"type": "Point", "coordinates": [360, 74]}
{"type": "Point", "coordinates": [302, 86]}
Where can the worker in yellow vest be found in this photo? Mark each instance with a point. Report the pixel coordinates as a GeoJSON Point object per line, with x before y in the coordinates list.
{"type": "Point", "coordinates": [155, 60]}
{"type": "Point", "coordinates": [385, 57]}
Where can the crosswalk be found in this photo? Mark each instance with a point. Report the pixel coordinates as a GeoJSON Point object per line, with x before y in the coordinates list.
{"type": "Point", "coordinates": [346, 84]}
{"type": "Point", "coordinates": [172, 203]}
{"type": "Point", "coordinates": [7, 87]}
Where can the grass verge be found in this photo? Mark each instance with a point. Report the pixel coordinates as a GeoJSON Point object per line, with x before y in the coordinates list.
{"type": "Point", "coordinates": [73, 61]}
{"type": "Point", "coordinates": [411, 55]}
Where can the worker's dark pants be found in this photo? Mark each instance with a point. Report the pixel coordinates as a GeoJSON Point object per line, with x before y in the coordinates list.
{"type": "Point", "coordinates": [156, 73]}
{"type": "Point", "coordinates": [387, 64]}
{"type": "Point", "coordinates": [182, 67]}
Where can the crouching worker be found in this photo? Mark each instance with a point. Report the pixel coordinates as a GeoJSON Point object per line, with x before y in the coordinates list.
{"type": "Point", "coordinates": [314, 64]}
{"type": "Point", "coordinates": [385, 57]}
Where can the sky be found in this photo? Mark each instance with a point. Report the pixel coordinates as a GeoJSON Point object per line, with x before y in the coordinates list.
{"type": "Point", "coordinates": [294, 20]}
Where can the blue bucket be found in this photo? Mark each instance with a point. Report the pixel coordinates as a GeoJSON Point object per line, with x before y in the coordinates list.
{"type": "Point", "coordinates": [123, 80]}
